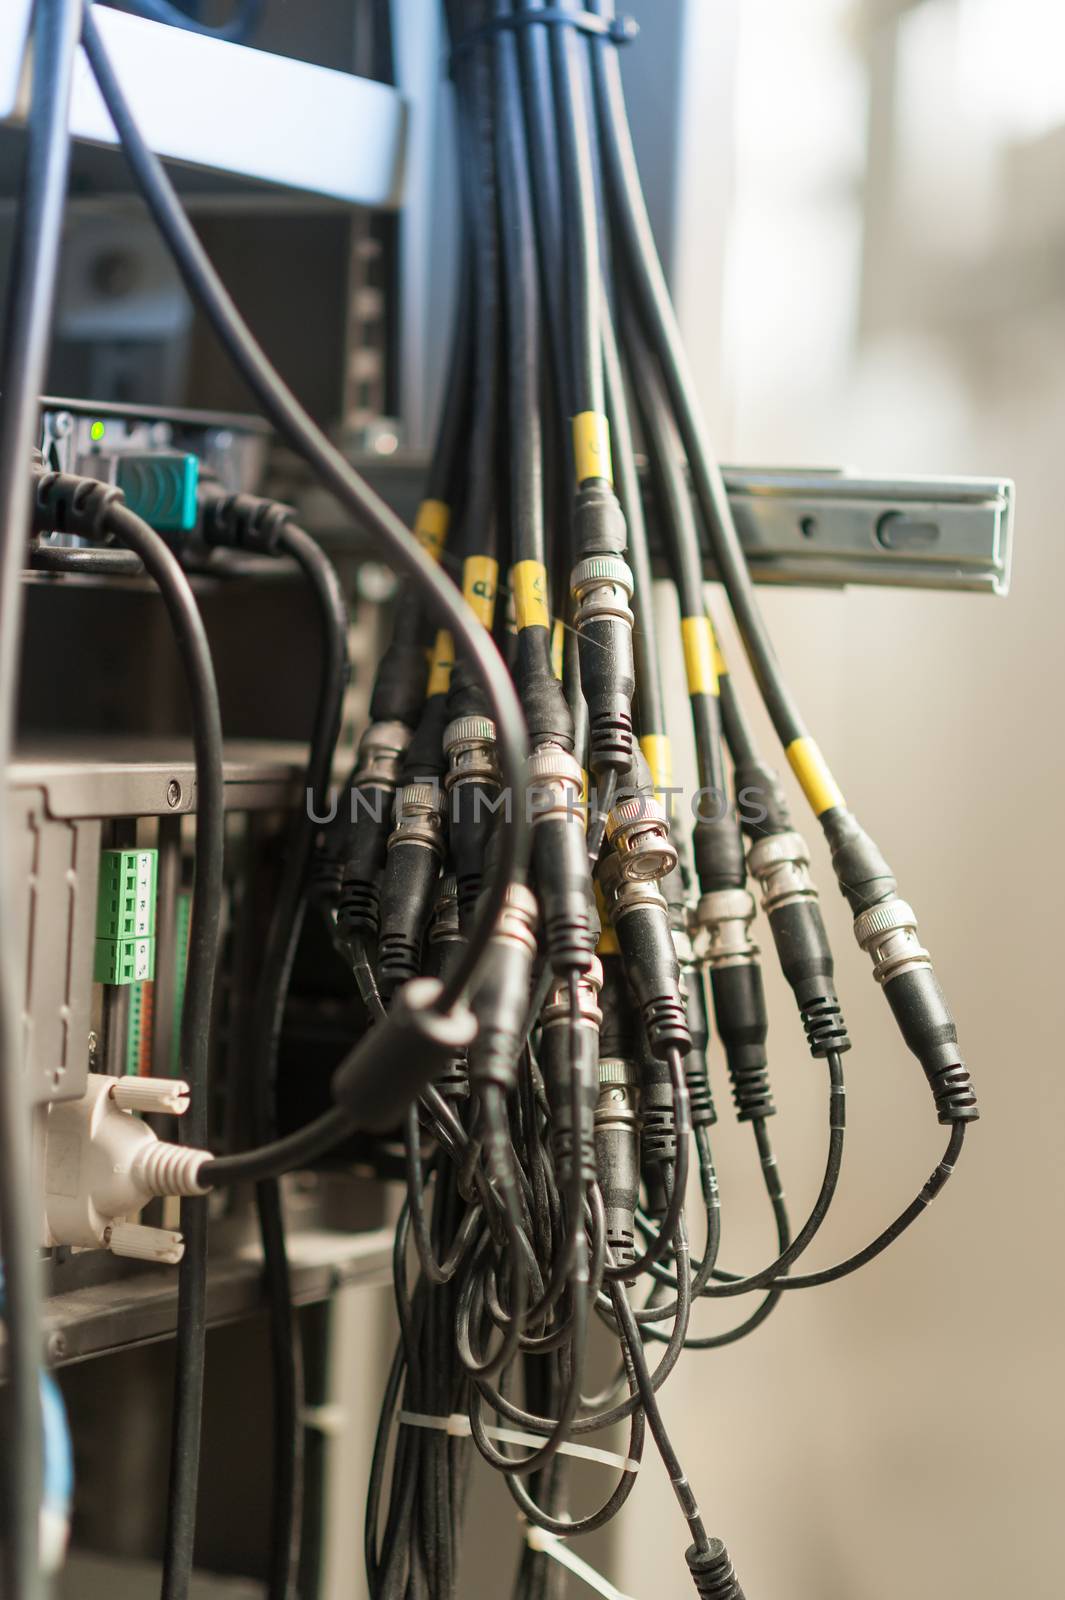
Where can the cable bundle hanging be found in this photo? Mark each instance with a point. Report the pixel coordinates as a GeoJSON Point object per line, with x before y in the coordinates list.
{"type": "Point", "coordinates": [538, 944]}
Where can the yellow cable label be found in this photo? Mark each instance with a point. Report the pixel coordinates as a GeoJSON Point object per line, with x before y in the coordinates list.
{"type": "Point", "coordinates": [558, 647]}
{"type": "Point", "coordinates": [659, 753]}
{"type": "Point", "coordinates": [441, 661]}
{"type": "Point", "coordinates": [431, 525]}
{"type": "Point", "coordinates": [591, 446]}
{"type": "Point", "coordinates": [811, 769]}
{"type": "Point", "coordinates": [698, 639]}
{"type": "Point", "coordinates": [480, 579]}
{"type": "Point", "coordinates": [529, 582]}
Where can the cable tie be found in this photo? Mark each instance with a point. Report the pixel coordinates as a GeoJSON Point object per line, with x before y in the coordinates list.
{"type": "Point", "coordinates": [458, 1426]}
{"type": "Point", "coordinates": [613, 30]}
{"type": "Point", "coordinates": [549, 1544]}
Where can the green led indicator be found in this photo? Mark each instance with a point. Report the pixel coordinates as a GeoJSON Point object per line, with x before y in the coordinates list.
{"type": "Point", "coordinates": [97, 431]}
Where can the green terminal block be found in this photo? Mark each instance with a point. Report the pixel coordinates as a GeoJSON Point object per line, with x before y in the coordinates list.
{"type": "Point", "coordinates": [124, 960]}
{"type": "Point", "coordinates": [125, 916]}
{"type": "Point", "coordinates": [136, 1027]}
{"type": "Point", "coordinates": [160, 486]}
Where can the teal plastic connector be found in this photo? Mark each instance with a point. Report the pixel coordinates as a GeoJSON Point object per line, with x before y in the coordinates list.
{"type": "Point", "coordinates": [125, 916]}
{"type": "Point", "coordinates": [160, 486]}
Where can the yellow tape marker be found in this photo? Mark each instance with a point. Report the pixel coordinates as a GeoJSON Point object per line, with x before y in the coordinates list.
{"type": "Point", "coordinates": [529, 582]}
{"type": "Point", "coordinates": [698, 639]}
{"type": "Point", "coordinates": [558, 647]}
{"type": "Point", "coordinates": [656, 747]}
{"type": "Point", "coordinates": [431, 525]}
{"type": "Point", "coordinates": [591, 446]}
{"type": "Point", "coordinates": [441, 661]}
{"type": "Point", "coordinates": [811, 769]}
{"type": "Point", "coordinates": [480, 579]}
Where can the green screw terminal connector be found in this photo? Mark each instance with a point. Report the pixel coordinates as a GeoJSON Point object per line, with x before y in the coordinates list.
{"type": "Point", "coordinates": [125, 916]}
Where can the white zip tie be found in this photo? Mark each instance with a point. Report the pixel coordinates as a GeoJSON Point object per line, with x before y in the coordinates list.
{"type": "Point", "coordinates": [457, 1425]}
{"type": "Point", "coordinates": [549, 1544]}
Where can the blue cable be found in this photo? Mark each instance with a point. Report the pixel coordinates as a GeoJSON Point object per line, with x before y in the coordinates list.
{"type": "Point", "coordinates": [58, 1481]}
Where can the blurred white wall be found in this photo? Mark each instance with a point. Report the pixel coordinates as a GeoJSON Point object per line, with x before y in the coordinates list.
{"type": "Point", "coordinates": [896, 301]}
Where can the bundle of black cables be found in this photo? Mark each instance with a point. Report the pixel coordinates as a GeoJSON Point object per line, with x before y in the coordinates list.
{"type": "Point", "coordinates": [547, 1170]}
{"type": "Point", "coordinates": [539, 973]}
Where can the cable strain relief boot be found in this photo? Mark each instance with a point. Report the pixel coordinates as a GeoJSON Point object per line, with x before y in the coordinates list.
{"type": "Point", "coordinates": [760, 801]}
{"type": "Point", "coordinates": [399, 959]}
{"type": "Point", "coordinates": [696, 1073]}
{"type": "Point", "coordinates": [358, 909]}
{"type": "Point", "coordinates": [327, 876]}
{"type": "Point", "coordinates": [598, 520]}
{"type": "Point", "coordinates": [602, 588]}
{"type": "Point", "coordinates": [825, 1028]}
{"type": "Point", "coordinates": [241, 521]}
{"type": "Point", "coordinates": [717, 845]}
{"type": "Point", "coordinates": [571, 1043]}
{"type": "Point", "coordinates": [610, 735]}
{"type": "Point", "coordinates": [65, 503]}
{"type": "Point", "coordinates": [781, 864]}
{"type": "Point", "coordinates": [399, 687]}
{"type": "Point", "coordinates": [712, 1570]}
{"type": "Point", "coordinates": [742, 1025]}
{"type": "Point", "coordinates": [864, 877]}
{"type": "Point", "coordinates": [751, 1092]}
{"type": "Point", "coordinates": [641, 921]}
{"type": "Point", "coordinates": [617, 1153]}
{"type": "Point", "coordinates": [925, 1022]}
{"type": "Point", "coordinates": [560, 857]}
{"type": "Point", "coordinates": [658, 1127]}
{"type": "Point", "coordinates": [424, 760]}
{"type": "Point", "coordinates": [543, 698]}
{"type": "Point", "coordinates": [396, 1058]}
{"type": "Point", "coordinates": [171, 1169]}
{"type": "Point", "coordinates": [412, 867]}
{"type": "Point", "coordinates": [502, 996]}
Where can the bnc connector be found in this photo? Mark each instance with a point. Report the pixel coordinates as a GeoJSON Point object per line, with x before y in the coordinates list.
{"type": "Point", "coordinates": [560, 857]}
{"type": "Point", "coordinates": [617, 1153]}
{"type": "Point", "coordinates": [472, 782]}
{"type": "Point", "coordinates": [412, 866]}
{"type": "Point", "coordinates": [570, 1043]}
{"type": "Point", "coordinates": [470, 747]}
{"type": "Point", "coordinates": [354, 845]}
{"type": "Point", "coordinates": [380, 756]}
{"type": "Point", "coordinates": [419, 818]}
{"type": "Point", "coordinates": [640, 917]}
{"type": "Point", "coordinates": [445, 949]}
{"type": "Point", "coordinates": [888, 934]}
{"type": "Point", "coordinates": [502, 998]}
{"type": "Point", "coordinates": [602, 588]}
{"type": "Point", "coordinates": [638, 829]}
{"type": "Point", "coordinates": [903, 968]}
{"type": "Point", "coordinates": [723, 921]}
{"type": "Point", "coordinates": [781, 863]}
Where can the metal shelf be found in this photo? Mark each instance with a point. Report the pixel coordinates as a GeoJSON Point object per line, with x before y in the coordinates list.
{"type": "Point", "coordinates": [229, 110]}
